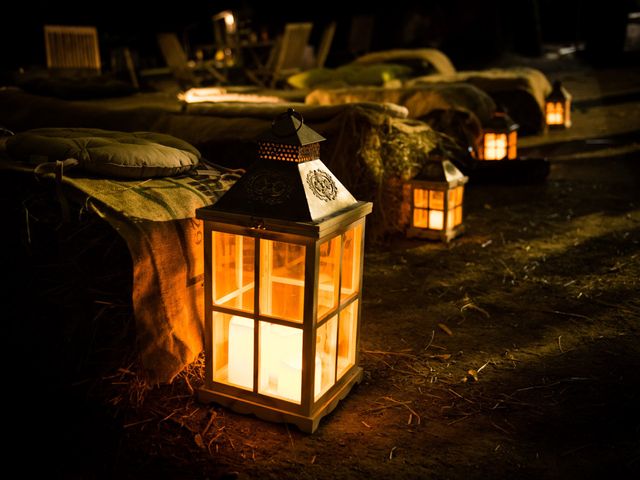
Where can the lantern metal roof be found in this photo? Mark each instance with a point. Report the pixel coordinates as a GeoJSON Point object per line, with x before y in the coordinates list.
{"type": "Point", "coordinates": [500, 122]}
{"type": "Point", "coordinates": [440, 172]}
{"type": "Point", "coordinates": [288, 181]}
{"type": "Point", "coordinates": [558, 93]}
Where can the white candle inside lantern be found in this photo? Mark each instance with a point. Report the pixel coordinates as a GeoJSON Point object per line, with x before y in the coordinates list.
{"type": "Point", "coordinates": [241, 351]}
{"type": "Point", "coordinates": [436, 219]}
{"type": "Point", "coordinates": [281, 362]}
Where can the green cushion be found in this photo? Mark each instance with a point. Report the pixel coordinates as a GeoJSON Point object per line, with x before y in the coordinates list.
{"type": "Point", "coordinates": [351, 74]}
{"type": "Point", "coordinates": [107, 153]}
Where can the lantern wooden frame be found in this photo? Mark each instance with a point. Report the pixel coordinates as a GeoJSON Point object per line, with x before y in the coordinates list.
{"type": "Point", "coordinates": [499, 139]}
{"type": "Point", "coordinates": [288, 201]}
{"type": "Point", "coordinates": [442, 177]}
{"type": "Point", "coordinates": [557, 107]}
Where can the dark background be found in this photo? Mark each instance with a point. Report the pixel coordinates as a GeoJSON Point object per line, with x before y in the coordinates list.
{"type": "Point", "coordinates": [473, 33]}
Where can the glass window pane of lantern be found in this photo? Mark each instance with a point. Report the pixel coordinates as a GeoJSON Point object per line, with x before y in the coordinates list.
{"type": "Point", "coordinates": [325, 375]}
{"type": "Point", "coordinates": [233, 283]}
{"type": "Point", "coordinates": [233, 350]}
{"type": "Point", "coordinates": [282, 280]}
{"type": "Point", "coordinates": [495, 146]}
{"type": "Point", "coordinates": [329, 276]}
{"type": "Point", "coordinates": [420, 198]}
{"type": "Point", "coordinates": [347, 338]}
{"type": "Point", "coordinates": [513, 142]}
{"type": "Point", "coordinates": [420, 218]}
{"type": "Point", "coordinates": [351, 255]}
{"type": "Point", "coordinates": [280, 361]}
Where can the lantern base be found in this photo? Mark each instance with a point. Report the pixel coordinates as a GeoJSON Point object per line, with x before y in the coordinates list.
{"type": "Point", "coordinates": [307, 424]}
{"type": "Point", "coordinates": [444, 236]}
{"type": "Point", "coordinates": [558, 126]}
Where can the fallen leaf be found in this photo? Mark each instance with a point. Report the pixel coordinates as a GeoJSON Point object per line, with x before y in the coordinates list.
{"type": "Point", "coordinates": [199, 442]}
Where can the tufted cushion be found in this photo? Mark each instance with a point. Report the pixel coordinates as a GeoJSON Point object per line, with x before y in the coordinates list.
{"type": "Point", "coordinates": [105, 152]}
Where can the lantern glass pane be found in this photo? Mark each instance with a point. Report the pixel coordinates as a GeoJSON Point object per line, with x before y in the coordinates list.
{"type": "Point", "coordinates": [347, 334]}
{"type": "Point", "coordinates": [420, 218]}
{"type": "Point", "coordinates": [328, 276]}
{"type": "Point", "coordinates": [420, 198]}
{"type": "Point", "coordinates": [326, 339]}
{"type": "Point", "coordinates": [457, 216]}
{"type": "Point", "coordinates": [513, 141]}
{"type": "Point", "coordinates": [233, 270]}
{"type": "Point", "coordinates": [436, 219]}
{"type": "Point", "coordinates": [436, 199]}
{"type": "Point", "coordinates": [495, 146]}
{"type": "Point", "coordinates": [351, 257]}
{"type": "Point", "coordinates": [280, 361]}
{"type": "Point", "coordinates": [282, 280]}
{"type": "Point", "coordinates": [232, 356]}
{"type": "Point", "coordinates": [555, 113]}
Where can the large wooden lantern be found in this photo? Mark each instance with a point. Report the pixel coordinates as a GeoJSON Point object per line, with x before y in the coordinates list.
{"type": "Point", "coordinates": [558, 107]}
{"type": "Point", "coordinates": [284, 249]}
{"type": "Point", "coordinates": [435, 198]}
{"type": "Point", "coordinates": [499, 138]}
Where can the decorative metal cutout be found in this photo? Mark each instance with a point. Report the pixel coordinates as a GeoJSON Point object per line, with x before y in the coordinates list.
{"type": "Point", "coordinates": [267, 187]}
{"type": "Point", "coordinates": [322, 185]}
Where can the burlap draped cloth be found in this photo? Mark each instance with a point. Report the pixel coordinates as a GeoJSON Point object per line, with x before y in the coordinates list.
{"type": "Point", "coordinates": [156, 219]}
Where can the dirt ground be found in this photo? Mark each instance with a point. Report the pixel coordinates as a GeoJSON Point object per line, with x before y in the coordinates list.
{"type": "Point", "coordinates": [512, 352]}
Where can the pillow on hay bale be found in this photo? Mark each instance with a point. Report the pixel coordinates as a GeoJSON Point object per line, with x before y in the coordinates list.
{"type": "Point", "coordinates": [105, 152]}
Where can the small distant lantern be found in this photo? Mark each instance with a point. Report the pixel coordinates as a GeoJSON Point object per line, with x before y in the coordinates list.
{"type": "Point", "coordinates": [558, 107]}
{"type": "Point", "coordinates": [499, 138]}
{"type": "Point", "coordinates": [284, 251]}
{"type": "Point", "coordinates": [435, 198]}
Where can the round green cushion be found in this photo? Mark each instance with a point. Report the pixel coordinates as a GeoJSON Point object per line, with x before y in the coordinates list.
{"type": "Point", "coordinates": [107, 153]}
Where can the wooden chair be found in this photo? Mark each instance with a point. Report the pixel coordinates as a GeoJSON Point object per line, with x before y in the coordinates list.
{"type": "Point", "coordinates": [185, 73]}
{"type": "Point", "coordinates": [72, 48]}
{"type": "Point", "coordinates": [325, 44]}
{"type": "Point", "coordinates": [288, 52]}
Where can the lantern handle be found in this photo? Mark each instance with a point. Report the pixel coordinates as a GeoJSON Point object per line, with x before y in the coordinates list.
{"type": "Point", "coordinates": [291, 113]}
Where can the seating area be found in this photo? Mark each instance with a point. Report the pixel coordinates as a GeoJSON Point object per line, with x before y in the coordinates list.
{"type": "Point", "coordinates": [408, 233]}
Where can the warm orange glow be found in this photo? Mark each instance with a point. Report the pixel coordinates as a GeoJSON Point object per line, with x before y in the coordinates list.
{"type": "Point", "coordinates": [432, 213]}
{"type": "Point", "coordinates": [282, 280]}
{"type": "Point", "coordinates": [555, 113]}
{"type": "Point", "coordinates": [420, 198]}
{"type": "Point", "coordinates": [499, 146]}
{"type": "Point", "coordinates": [326, 339]}
{"type": "Point", "coordinates": [329, 276]}
{"type": "Point", "coordinates": [232, 257]}
{"type": "Point", "coordinates": [218, 95]}
{"type": "Point", "coordinates": [495, 146]}
{"type": "Point", "coordinates": [351, 257]}
{"type": "Point", "coordinates": [347, 331]}
{"type": "Point", "coordinates": [513, 141]}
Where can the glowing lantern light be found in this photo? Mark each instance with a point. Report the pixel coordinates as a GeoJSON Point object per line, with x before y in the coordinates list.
{"type": "Point", "coordinates": [434, 199]}
{"type": "Point", "coordinates": [283, 266]}
{"type": "Point", "coordinates": [499, 139]}
{"type": "Point", "coordinates": [558, 107]}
